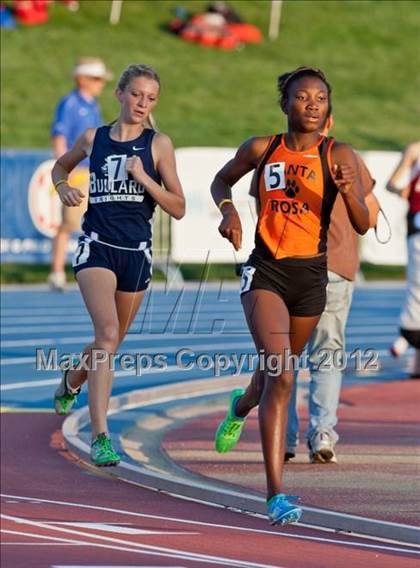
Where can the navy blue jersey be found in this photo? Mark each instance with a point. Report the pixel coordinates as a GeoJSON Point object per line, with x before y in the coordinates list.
{"type": "Point", "coordinates": [120, 209]}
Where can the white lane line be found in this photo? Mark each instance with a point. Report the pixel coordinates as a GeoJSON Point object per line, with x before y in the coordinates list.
{"type": "Point", "coordinates": [116, 529]}
{"type": "Point", "coordinates": [17, 361]}
{"type": "Point", "coordinates": [64, 328]}
{"type": "Point", "coordinates": [219, 342]}
{"type": "Point", "coordinates": [45, 544]}
{"type": "Point", "coordinates": [364, 340]}
{"type": "Point", "coordinates": [160, 336]}
{"type": "Point", "coordinates": [25, 329]}
{"type": "Point", "coordinates": [45, 341]}
{"type": "Point", "coordinates": [70, 542]}
{"type": "Point", "coordinates": [73, 324]}
{"type": "Point", "coordinates": [156, 305]}
{"type": "Point", "coordinates": [161, 302]}
{"type": "Point", "coordinates": [147, 350]}
{"type": "Point", "coordinates": [375, 303]}
{"type": "Point", "coordinates": [71, 314]}
{"type": "Point", "coordinates": [218, 345]}
{"type": "Point", "coordinates": [42, 537]}
{"type": "Point", "coordinates": [52, 315]}
{"type": "Point", "coordinates": [162, 316]}
{"type": "Point", "coordinates": [26, 384]}
{"type": "Point", "coordinates": [138, 337]}
{"type": "Point", "coordinates": [144, 548]}
{"type": "Point", "coordinates": [48, 382]}
{"type": "Point", "coordinates": [411, 548]}
{"type": "Point", "coordinates": [20, 321]}
{"type": "Point", "coordinates": [382, 353]}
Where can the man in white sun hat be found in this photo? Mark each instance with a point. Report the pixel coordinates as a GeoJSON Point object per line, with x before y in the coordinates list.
{"type": "Point", "coordinates": [75, 112]}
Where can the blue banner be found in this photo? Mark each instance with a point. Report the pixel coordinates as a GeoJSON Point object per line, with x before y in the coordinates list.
{"type": "Point", "coordinates": [30, 208]}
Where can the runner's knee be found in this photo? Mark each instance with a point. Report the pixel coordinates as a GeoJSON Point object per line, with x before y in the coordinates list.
{"type": "Point", "coordinates": [280, 382]}
{"type": "Point", "coordinates": [107, 337]}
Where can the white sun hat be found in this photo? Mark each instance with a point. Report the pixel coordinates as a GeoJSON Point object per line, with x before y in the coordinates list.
{"type": "Point", "coordinates": [92, 67]}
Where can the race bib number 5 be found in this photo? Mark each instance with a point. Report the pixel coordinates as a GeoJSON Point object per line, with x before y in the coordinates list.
{"type": "Point", "coordinates": [274, 177]}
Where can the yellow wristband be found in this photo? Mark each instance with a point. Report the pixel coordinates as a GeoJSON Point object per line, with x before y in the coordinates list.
{"type": "Point", "coordinates": [60, 182]}
{"type": "Point", "coordinates": [223, 202]}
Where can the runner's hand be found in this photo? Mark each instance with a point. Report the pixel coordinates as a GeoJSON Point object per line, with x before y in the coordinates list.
{"type": "Point", "coordinates": [344, 176]}
{"type": "Point", "coordinates": [134, 166]}
{"type": "Point", "coordinates": [230, 228]}
{"type": "Point", "coordinates": [70, 196]}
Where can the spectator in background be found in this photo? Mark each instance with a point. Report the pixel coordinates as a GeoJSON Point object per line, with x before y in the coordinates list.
{"type": "Point", "coordinates": [405, 182]}
{"type": "Point", "coordinates": [325, 385]}
{"type": "Point", "coordinates": [75, 112]}
{"type": "Point", "coordinates": [7, 20]}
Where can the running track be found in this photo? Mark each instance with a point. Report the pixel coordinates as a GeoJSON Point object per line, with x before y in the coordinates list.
{"type": "Point", "coordinates": [57, 512]}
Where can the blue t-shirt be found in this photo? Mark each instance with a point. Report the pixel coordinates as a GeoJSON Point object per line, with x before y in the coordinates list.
{"type": "Point", "coordinates": [73, 115]}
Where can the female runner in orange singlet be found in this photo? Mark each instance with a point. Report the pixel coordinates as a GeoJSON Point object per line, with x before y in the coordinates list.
{"type": "Point", "coordinates": [283, 284]}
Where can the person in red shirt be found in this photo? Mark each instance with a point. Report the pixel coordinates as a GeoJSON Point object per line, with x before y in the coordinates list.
{"type": "Point", "coordinates": [405, 181]}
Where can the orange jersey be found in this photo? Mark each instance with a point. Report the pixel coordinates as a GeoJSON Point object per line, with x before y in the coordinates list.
{"type": "Point", "coordinates": [296, 193]}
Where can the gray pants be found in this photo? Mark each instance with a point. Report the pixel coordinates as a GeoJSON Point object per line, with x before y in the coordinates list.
{"type": "Point", "coordinates": [325, 384]}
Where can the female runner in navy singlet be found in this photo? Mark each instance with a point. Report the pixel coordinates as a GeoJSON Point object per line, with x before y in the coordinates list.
{"type": "Point", "coordinates": [128, 162]}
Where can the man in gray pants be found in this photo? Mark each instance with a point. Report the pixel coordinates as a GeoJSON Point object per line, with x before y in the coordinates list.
{"type": "Point", "coordinates": [328, 340]}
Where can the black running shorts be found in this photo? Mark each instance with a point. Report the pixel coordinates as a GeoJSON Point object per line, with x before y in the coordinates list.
{"type": "Point", "coordinates": [301, 282]}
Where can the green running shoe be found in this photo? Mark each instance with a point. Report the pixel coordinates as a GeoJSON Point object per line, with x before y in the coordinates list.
{"type": "Point", "coordinates": [230, 430]}
{"type": "Point", "coordinates": [65, 396]}
{"type": "Point", "coordinates": [102, 453]}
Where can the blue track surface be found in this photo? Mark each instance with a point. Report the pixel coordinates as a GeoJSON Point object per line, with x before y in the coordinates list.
{"type": "Point", "coordinates": [204, 320]}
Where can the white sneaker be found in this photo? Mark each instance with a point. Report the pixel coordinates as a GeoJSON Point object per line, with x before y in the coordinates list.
{"type": "Point", "coordinates": [57, 281]}
{"type": "Point", "coordinates": [399, 347]}
{"type": "Point", "coordinates": [321, 449]}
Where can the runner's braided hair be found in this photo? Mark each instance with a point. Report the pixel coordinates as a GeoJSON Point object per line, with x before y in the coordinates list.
{"type": "Point", "coordinates": [286, 79]}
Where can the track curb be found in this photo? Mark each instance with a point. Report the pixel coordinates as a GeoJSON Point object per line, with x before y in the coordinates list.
{"type": "Point", "coordinates": [210, 491]}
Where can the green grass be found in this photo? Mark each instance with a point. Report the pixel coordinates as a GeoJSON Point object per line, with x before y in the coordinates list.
{"type": "Point", "coordinates": [34, 274]}
{"type": "Point", "coordinates": [369, 51]}
{"type": "Point", "coordinates": [379, 272]}
{"type": "Point", "coordinates": [15, 273]}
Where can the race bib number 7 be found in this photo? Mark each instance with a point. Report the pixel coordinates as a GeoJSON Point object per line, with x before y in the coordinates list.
{"type": "Point", "coordinates": [116, 167]}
